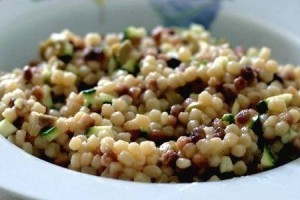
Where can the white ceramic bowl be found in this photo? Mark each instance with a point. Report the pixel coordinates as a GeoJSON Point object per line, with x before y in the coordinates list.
{"type": "Point", "coordinates": [23, 26]}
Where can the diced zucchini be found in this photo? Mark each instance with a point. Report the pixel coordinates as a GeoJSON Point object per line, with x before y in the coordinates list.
{"type": "Point", "coordinates": [65, 51]}
{"type": "Point", "coordinates": [228, 118]}
{"type": "Point", "coordinates": [61, 48]}
{"type": "Point", "coordinates": [130, 66]}
{"type": "Point", "coordinates": [289, 136]}
{"type": "Point", "coordinates": [47, 97]}
{"type": "Point", "coordinates": [124, 52]}
{"type": "Point", "coordinates": [262, 106]}
{"type": "Point", "coordinates": [112, 65]}
{"type": "Point", "coordinates": [173, 97]}
{"type": "Point", "coordinates": [96, 129]}
{"type": "Point", "coordinates": [254, 122]}
{"type": "Point", "coordinates": [226, 164]}
{"type": "Point", "coordinates": [256, 126]}
{"type": "Point", "coordinates": [132, 32]}
{"type": "Point", "coordinates": [50, 134]}
{"type": "Point", "coordinates": [7, 128]}
{"type": "Point", "coordinates": [106, 98]}
{"type": "Point", "coordinates": [89, 96]}
{"type": "Point", "coordinates": [268, 159]}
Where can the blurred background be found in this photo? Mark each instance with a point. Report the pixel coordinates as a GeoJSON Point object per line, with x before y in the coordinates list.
{"type": "Point", "coordinates": [242, 22]}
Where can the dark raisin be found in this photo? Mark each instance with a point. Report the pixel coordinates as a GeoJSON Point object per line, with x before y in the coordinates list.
{"type": "Point", "coordinates": [19, 122]}
{"type": "Point", "coordinates": [136, 134]}
{"type": "Point", "coordinates": [46, 121]}
{"type": "Point", "coordinates": [156, 33]}
{"type": "Point", "coordinates": [182, 141]}
{"type": "Point", "coordinates": [11, 101]}
{"type": "Point", "coordinates": [134, 92]}
{"type": "Point", "coordinates": [27, 73]}
{"type": "Point", "coordinates": [176, 109]}
{"type": "Point", "coordinates": [151, 85]}
{"type": "Point", "coordinates": [249, 74]}
{"type": "Point", "coordinates": [196, 87]}
{"type": "Point", "coordinates": [30, 138]}
{"type": "Point", "coordinates": [239, 83]}
{"type": "Point", "coordinates": [33, 63]}
{"type": "Point", "coordinates": [173, 62]}
{"type": "Point", "coordinates": [243, 116]}
{"type": "Point", "coordinates": [197, 134]}
{"type": "Point", "coordinates": [200, 161]}
{"type": "Point", "coordinates": [170, 31]}
{"type": "Point", "coordinates": [79, 45]}
{"type": "Point", "coordinates": [37, 92]}
{"type": "Point", "coordinates": [289, 75]}
{"type": "Point", "coordinates": [122, 89]}
{"type": "Point", "coordinates": [228, 93]}
{"type": "Point", "coordinates": [158, 137]}
{"type": "Point", "coordinates": [96, 54]}
{"type": "Point", "coordinates": [169, 158]}
{"type": "Point", "coordinates": [218, 123]}
{"type": "Point", "coordinates": [62, 161]}
{"type": "Point", "coordinates": [108, 158]}
{"type": "Point", "coordinates": [219, 132]}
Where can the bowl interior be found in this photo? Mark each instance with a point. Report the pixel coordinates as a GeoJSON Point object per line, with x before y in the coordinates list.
{"type": "Point", "coordinates": [249, 32]}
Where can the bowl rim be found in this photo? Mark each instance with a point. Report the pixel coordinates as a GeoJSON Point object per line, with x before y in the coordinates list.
{"type": "Point", "coordinates": [19, 172]}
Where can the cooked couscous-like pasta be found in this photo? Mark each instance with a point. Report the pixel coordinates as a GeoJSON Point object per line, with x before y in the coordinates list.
{"type": "Point", "coordinates": [174, 105]}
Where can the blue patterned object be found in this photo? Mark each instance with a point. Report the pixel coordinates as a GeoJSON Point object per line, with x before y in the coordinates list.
{"type": "Point", "coordinates": [185, 12]}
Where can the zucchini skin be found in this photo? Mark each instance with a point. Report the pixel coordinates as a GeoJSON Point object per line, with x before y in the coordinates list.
{"type": "Point", "coordinates": [89, 96]}
{"type": "Point", "coordinates": [228, 118]}
{"type": "Point", "coordinates": [50, 134]}
{"type": "Point", "coordinates": [257, 128]}
{"type": "Point", "coordinates": [262, 107]}
{"type": "Point", "coordinates": [268, 159]}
